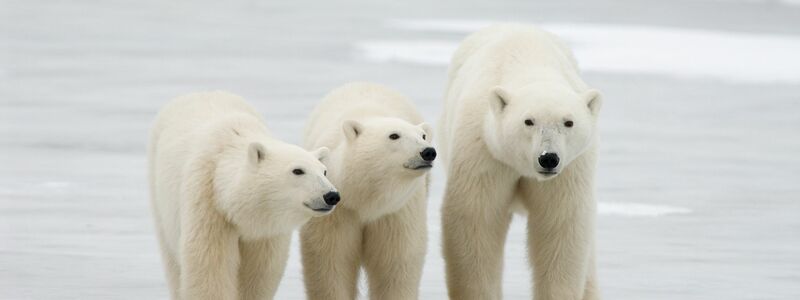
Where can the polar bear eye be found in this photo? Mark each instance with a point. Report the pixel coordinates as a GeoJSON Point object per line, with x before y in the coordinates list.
{"type": "Point", "coordinates": [528, 122]}
{"type": "Point", "coordinates": [568, 123]}
{"type": "Point", "coordinates": [424, 137]}
{"type": "Point", "coordinates": [325, 173]}
{"type": "Point", "coordinates": [298, 172]}
{"type": "Point", "coordinates": [394, 136]}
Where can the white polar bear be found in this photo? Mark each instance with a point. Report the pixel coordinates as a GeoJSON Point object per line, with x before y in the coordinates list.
{"type": "Point", "coordinates": [226, 197]}
{"type": "Point", "coordinates": [380, 154]}
{"type": "Point", "coordinates": [518, 128]}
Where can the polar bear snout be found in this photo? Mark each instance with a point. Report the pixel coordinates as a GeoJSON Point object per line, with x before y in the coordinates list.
{"type": "Point", "coordinates": [549, 161]}
{"type": "Point", "coordinates": [324, 204]}
{"type": "Point", "coordinates": [331, 198]}
{"type": "Point", "coordinates": [548, 165]}
{"type": "Point", "coordinates": [423, 161]}
{"type": "Point", "coordinates": [428, 154]}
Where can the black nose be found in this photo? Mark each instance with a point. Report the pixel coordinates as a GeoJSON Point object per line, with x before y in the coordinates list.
{"type": "Point", "coordinates": [548, 160]}
{"type": "Point", "coordinates": [429, 154]}
{"type": "Point", "coordinates": [331, 198]}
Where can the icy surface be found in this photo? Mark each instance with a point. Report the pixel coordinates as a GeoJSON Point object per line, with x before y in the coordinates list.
{"type": "Point", "coordinates": [698, 172]}
{"type": "Point", "coordinates": [692, 53]}
{"type": "Point", "coordinates": [638, 209]}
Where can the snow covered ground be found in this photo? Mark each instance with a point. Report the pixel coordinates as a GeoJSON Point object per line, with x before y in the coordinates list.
{"type": "Point", "coordinates": [698, 179]}
{"type": "Point", "coordinates": [603, 48]}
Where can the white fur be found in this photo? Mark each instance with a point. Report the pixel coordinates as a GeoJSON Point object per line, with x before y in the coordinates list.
{"type": "Point", "coordinates": [225, 199]}
{"type": "Point", "coordinates": [499, 77]}
{"type": "Point", "coordinates": [380, 223]}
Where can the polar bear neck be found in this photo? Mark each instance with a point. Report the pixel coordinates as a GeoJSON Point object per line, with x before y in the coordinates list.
{"type": "Point", "coordinates": [232, 160]}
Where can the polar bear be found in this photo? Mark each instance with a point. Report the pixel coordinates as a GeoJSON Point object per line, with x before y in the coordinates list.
{"type": "Point", "coordinates": [226, 197]}
{"type": "Point", "coordinates": [380, 155]}
{"type": "Point", "coordinates": [518, 130]}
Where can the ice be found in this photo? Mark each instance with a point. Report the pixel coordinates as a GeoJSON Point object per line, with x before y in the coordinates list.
{"type": "Point", "coordinates": [55, 184]}
{"type": "Point", "coordinates": [638, 209]}
{"type": "Point", "coordinates": [631, 49]}
{"type": "Point", "coordinates": [697, 181]}
{"type": "Point", "coordinates": [424, 52]}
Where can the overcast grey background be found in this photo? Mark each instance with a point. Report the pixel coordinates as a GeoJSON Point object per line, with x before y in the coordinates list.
{"type": "Point", "coordinates": [80, 82]}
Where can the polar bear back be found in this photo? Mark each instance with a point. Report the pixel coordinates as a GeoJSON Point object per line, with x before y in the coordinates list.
{"type": "Point", "coordinates": [504, 46]}
{"type": "Point", "coordinates": [354, 101]}
{"type": "Point", "coordinates": [189, 112]}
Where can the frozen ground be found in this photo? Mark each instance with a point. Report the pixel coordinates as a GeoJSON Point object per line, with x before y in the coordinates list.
{"type": "Point", "coordinates": [698, 181]}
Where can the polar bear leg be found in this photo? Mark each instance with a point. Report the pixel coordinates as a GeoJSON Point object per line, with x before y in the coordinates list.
{"type": "Point", "coordinates": [394, 251]}
{"type": "Point", "coordinates": [331, 250]}
{"type": "Point", "coordinates": [262, 265]}
{"type": "Point", "coordinates": [559, 257]}
{"type": "Point", "coordinates": [475, 221]}
{"type": "Point", "coordinates": [559, 239]}
{"type": "Point", "coordinates": [592, 292]}
{"type": "Point", "coordinates": [209, 246]}
{"type": "Point", "coordinates": [171, 267]}
{"type": "Point", "coordinates": [209, 263]}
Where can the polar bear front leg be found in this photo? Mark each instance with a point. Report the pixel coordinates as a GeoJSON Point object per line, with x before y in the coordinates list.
{"type": "Point", "coordinates": [171, 266]}
{"type": "Point", "coordinates": [262, 265]}
{"type": "Point", "coordinates": [331, 250]}
{"type": "Point", "coordinates": [394, 250]}
{"type": "Point", "coordinates": [475, 221]}
{"type": "Point", "coordinates": [592, 291]}
{"type": "Point", "coordinates": [209, 257]}
{"type": "Point", "coordinates": [560, 235]}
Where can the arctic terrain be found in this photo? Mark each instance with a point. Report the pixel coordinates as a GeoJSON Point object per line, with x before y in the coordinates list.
{"type": "Point", "coordinates": [698, 177]}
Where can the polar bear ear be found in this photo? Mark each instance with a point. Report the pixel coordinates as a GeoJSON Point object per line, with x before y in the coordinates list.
{"type": "Point", "coordinates": [256, 153]}
{"type": "Point", "coordinates": [499, 101]}
{"type": "Point", "coordinates": [352, 129]}
{"type": "Point", "coordinates": [321, 153]}
{"type": "Point", "coordinates": [427, 129]}
{"type": "Point", "coordinates": [593, 100]}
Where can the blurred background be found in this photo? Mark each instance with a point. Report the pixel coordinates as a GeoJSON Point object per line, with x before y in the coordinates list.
{"type": "Point", "coordinates": [698, 178]}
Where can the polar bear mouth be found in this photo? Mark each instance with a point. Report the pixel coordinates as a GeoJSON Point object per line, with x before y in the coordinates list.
{"type": "Point", "coordinates": [548, 173]}
{"type": "Point", "coordinates": [420, 166]}
{"type": "Point", "coordinates": [327, 208]}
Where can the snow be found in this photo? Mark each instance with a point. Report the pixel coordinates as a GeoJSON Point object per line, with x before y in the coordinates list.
{"type": "Point", "coordinates": [637, 209]}
{"type": "Point", "coordinates": [425, 52]}
{"type": "Point", "coordinates": [783, 2]}
{"type": "Point", "coordinates": [630, 49]}
{"type": "Point", "coordinates": [697, 177]}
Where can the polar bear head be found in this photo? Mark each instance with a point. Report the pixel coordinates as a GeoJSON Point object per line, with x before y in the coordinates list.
{"type": "Point", "coordinates": [389, 146]}
{"type": "Point", "coordinates": [540, 128]}
{"type": "Point", "coordinates": [279, 188]}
